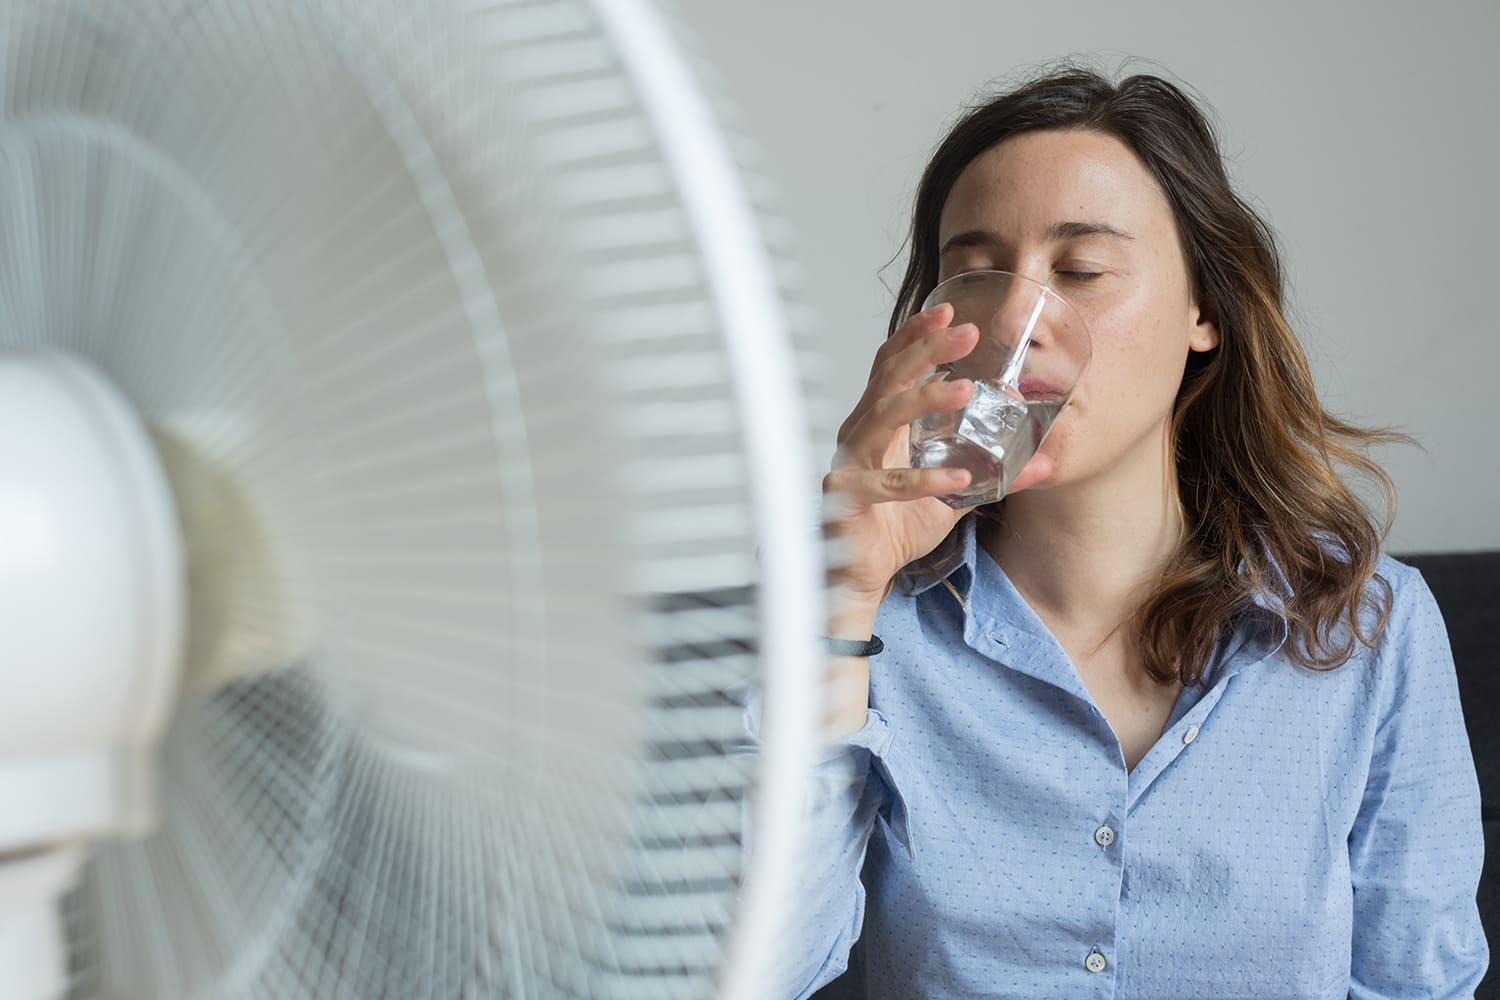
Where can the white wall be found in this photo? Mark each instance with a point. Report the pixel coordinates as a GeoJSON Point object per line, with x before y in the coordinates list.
{"type": "Point", "coordinates": [1366, 132]}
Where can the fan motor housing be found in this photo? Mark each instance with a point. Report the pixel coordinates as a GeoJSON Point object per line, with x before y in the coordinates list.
{"type": "Point", "coordinates": [91, 599]}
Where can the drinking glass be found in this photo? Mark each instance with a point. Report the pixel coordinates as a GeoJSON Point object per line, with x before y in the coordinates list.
{"type": "Point", "coordinates": [1032, 348]}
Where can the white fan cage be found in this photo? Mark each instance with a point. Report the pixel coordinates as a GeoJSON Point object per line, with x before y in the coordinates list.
{"type": "Point", "coordinates": [455, 328]}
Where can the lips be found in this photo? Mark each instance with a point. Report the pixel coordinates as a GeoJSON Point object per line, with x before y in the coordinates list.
{"type": "Point", "coordinates": [1037, 388]}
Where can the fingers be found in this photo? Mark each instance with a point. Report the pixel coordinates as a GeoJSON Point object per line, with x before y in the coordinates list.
{"type": "Point", "coordinates": [901, 369]}
{"type": "Point", "coordinates": [850, 489]}
{"type": "Point", "coordinates": [922, 328]}
{"type": "Point", "coordinates": [897, 368]}
{"type": "Point", "coordinates": [917, 326]}
{"type": "Point", "coordinates": [868, 434]}
{"type": "Point", "coordinates": [860, 488]}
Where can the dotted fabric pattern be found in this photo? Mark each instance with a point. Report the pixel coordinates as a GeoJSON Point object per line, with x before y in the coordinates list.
{"type": "Point", "coordinates": [1293, 833]}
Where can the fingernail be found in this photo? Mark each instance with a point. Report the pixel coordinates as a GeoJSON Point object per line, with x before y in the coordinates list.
{"type": "Point", "coordinates": [961, 330]}
{"type": "Point", "coordinates": [957, 475]}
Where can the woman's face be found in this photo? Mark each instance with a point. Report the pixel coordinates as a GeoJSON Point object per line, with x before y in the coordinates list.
{"type": "Point", "coordinates": [1078, 211]}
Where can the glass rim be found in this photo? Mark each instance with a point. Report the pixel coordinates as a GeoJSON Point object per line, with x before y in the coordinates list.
{"type": "Point", "coordinates": [1047, 289]}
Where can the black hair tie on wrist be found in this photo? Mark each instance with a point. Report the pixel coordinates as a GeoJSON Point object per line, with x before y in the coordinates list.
{"type": "Point", "coordinates": [854, 647]}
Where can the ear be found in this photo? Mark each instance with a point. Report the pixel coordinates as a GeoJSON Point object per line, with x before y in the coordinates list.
{"type": "Point", "coordinates": [1205, 332]}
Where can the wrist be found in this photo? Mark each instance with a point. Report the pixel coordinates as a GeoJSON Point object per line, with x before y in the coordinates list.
{"type": "Point", "coordinates": [847, 694]}
{"type": "Point", "coordinates": [852, 616]}
{"type": "Point", "coordinates": [872, 646]}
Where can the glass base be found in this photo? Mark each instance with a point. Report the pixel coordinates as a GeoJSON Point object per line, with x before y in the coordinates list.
{"type": "Point", "coordinates": [988, 479]}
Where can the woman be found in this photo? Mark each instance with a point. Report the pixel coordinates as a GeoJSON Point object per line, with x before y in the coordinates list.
{"type": "Point", "coordinates": [1164, 723]}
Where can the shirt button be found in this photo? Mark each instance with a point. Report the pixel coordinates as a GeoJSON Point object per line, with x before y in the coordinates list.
{"type": "Point", "coordinates": [1190, 735]}
{"type": "Point", "coordinates": [1104, 836]}
{"type": "Point", "coordinates": [1095, 962]}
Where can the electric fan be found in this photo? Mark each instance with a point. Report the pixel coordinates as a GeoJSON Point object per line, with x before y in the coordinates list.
{"type": "Point", "coordinates": [404, 478]}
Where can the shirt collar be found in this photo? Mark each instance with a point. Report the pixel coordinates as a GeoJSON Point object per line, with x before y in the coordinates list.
{"type": "Point", "coordinates": [953, 560]}
{"type": "Point", "coordinates": [956, 560]}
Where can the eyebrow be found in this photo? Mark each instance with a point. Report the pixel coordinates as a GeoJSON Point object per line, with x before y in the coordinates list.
{"type": "Point", "coordinates": [1075, 230]}
{"type": "Point", "coordinates": [1056, 232]}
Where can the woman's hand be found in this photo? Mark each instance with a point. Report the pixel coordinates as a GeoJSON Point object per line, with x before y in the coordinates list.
{"type": "Point", "coordinates": [885, 513]}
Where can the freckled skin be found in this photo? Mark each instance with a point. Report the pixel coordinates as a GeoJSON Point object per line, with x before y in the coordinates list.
{"type": "Point", "coordinates": [1140, 310]}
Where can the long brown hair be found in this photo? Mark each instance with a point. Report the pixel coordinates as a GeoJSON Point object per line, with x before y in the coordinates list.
{"type": "Point", "coordinates": [1264, 506]}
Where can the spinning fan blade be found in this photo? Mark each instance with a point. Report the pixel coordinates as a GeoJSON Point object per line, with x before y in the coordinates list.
{"type": "Point", "coordinates": [459, 345]}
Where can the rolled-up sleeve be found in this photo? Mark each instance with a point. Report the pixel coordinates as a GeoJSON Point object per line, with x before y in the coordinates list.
{"type": "Point", "coordinates": [1417, 845]}
{"type": "Point", "coordinates": [851, 788]}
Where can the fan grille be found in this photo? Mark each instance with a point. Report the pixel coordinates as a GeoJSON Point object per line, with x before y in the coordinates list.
{"type": "Point", "coordinates": [409, 300]}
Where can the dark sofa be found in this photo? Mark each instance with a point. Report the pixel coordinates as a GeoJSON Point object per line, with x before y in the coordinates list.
{"type": "Point", "coordinates": [1467, 588]}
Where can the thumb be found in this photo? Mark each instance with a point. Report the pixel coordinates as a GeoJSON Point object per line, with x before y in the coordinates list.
{"type": "Point", "coordinates": [1039, 468]}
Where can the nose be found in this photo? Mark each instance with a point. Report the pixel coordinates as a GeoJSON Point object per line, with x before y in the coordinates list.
{"type": "Point", "coordinates": [1024, 317]}
{"type": "Point", "coordinates": [1017, 319]}
{"type": "Point", "coordinates": [1031, 327]}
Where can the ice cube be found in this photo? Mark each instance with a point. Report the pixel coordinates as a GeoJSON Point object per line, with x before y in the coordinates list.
{"type": "Point", "coordinates": [995, 412]}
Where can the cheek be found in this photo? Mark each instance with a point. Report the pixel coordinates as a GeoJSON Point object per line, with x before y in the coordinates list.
{"type": "Point", "coordinates": [1129, 386]}
{"type": "Point", "coordinates": [1138, 356]}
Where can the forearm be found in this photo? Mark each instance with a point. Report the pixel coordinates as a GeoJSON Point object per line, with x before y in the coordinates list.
{"type": "Point", "coordinates": [846, 681]}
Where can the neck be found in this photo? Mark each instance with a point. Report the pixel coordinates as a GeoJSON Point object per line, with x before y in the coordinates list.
{"type": "Point", "coordinates": [1086, 555]}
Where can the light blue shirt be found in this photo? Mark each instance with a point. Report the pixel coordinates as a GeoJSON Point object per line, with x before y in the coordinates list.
{"type": "Point", "coordinates": [1293, 833]}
